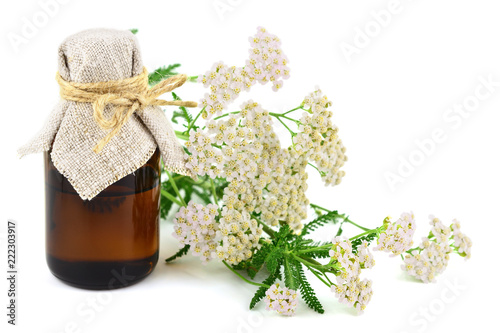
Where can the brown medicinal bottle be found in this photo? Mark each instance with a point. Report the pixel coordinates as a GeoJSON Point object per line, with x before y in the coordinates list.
{"type": "Point", "coordinates": [102, 143]}
{"type": "Point", "coordinates": [110, 241]}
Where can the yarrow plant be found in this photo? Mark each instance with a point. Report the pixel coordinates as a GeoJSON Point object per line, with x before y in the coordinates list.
{"type": "Point", "coordinates": [246, 207]}
{"type": "Point", "coordinates": [195, 226]}
{"type": "Point", "coordinates": [282, 300]}
{"type": "Point", "coordinates": [397, 238]}
{"type": "Point", "coordinates": [432, 255]}
{"type": "Point", "coordinates": [266, 63]}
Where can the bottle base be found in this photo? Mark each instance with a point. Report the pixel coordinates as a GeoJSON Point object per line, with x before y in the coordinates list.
{"type": "Point", "coordinates": [105, 275]}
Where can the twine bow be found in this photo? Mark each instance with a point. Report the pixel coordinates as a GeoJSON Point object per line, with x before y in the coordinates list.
{"type": "Point", "coordinates": [129, 95]}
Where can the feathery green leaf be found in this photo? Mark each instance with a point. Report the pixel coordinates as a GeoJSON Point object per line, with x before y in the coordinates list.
{"type": "Point", "coordinates": [161, 73]}
{"type": "Point", "coordinates": [179, 253]}
{"type": "Point", "coordinates": [258, 259]}
{"type": "Point", "coordinates": [273, 259]}
{"type": "Point", "coordinates": [290, 273]}
{"type": "Point", "coordinates": [261, 292]}
{"type": "Point", "coordinates": [182, 112]}
{"type": "Point", "coordinates": [307, 291]}
{"type": "Point", "coordinates": [357, 242]}
{"type": "Point", "coordinates": [321, 220]}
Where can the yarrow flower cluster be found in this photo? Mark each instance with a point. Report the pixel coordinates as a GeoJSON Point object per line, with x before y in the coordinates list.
{"type": "Point", "coordinates": [365, 257]}
{"type": "Point", "coordinates": [260, 187]}
{"type": "Point", "coordinates": [244, 150]}
{"type": "Point", "coordinates": [284, 197]}
{"type": "Point", "coordinates": [263, 178]}
{"type": "Point", "coordinates": [240, 236]}
{"type": "Point", "coordinates": [239, 147]}
{"type": "Point", "coordinates": [195, 225]}
{"type": "Point", "coordinates": [281, 299]}
{"type": "Point", "coordinates": [397, 238]}
{"type": "Point", "coordinates": [350, 289]}
{"type": "Point", "coordinates": [242, 147]}
{"type": "Point", "coordinates": [428, 261]}
{"type": "Point", "coordinates": [318, 138]}
{"type": "Point", "coordinates": [432, 255]}
{"type": "Point", "coordinates": [462, 244]}
{"type": "Point", "coordinates": [266, 63]}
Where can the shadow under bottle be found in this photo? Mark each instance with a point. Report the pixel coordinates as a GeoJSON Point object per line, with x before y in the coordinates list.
{"type": "Point", "coordinates": [108, 242]}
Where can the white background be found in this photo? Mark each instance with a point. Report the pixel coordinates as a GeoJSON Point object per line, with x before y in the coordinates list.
{"type": "Point", "coordinates": [396, 90]}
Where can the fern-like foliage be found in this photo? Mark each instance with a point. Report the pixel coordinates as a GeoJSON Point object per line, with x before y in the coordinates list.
{"type": "Point", "coordinates": [291, 274]}
{"type": "Point", "coordinates": [332, 217]}
{"type": "Point", "coordinates": [179, 253]}
{"type": "Point", "coordinates": [284, 235]}
{"type": "Point", "coordinates": [161, 73]}
{"type": "Point", "coordinates": [340, 231]}
{"type": "Point", "coordinates": [258, 260]}
{"type": "Point", "coordinates": [306, 290]}
{"type": "Point", "coordinates": [261, 292]}
{"type": "Point", "coordinates": [357, 242]}
{"type": "Point", "coordinates": [273, 259]}
{"type": "Point", "coordinates": [182, 112]}
{"type": "Point", "coordinates": [319, 253]}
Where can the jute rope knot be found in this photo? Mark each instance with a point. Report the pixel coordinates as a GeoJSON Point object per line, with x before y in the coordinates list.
{"type": "Point", "coordinates": [129, 95]}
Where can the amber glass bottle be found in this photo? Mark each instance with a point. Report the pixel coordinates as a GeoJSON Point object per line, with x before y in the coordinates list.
{"type": "Point", "coordinates": [110, 241]}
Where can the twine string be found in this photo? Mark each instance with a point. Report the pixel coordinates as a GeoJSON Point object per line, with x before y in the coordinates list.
{"type": "Point", "coordinates": [128, 95]}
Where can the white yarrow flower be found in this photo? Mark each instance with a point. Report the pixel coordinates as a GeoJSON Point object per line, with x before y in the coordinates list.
{"type": "Point", "coordinates": [195, 225]}
{"type": "Point", "coordinates": [432, 255]}
{"type": "Point", "coordinates": [281, 299]}
{"type": "Point", "coordinates": [398, 237]}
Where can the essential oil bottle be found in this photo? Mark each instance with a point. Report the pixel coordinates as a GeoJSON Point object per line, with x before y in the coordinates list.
{"type": "Point", "coordinates": [102, 144]}
{"type": "Point", "coordinates": [110, 241]}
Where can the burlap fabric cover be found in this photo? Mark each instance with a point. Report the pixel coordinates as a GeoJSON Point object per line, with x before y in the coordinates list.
{"type": "Point", "coordinates": [99, 55]}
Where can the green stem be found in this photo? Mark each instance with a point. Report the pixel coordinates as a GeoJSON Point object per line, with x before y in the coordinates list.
{"type": "Point", "coordinates": [245, 279]}
{"type": "Point", "coordinates": [318, 276]}
{"type": "Point", "coordinates": [174, 186]}
{"type": "Point", "coordinates": [319, 207]}
{"type": "Point", "coordinates": [199, 183]}
{"type": "Point", "coordinates": [376, 230]}
{"type": "Point", "coordinates": [357, 225]}
{"type": "Point", "coordinates": [311, 260]}
{"type": "Point", "coordinates": [411, 250]}
{"type": "Point", "coordinates": [282, 115]}
{"type": "Point", "coordinates": [315, 167]}
{"type": "Point", "coordinates": [181, 135]}
{"type": "Point", "coordinates": [292, 133]}
{"type": "Point", "coordinates": [265, 227]}
{"type": "Point", "coordinates": [277, 115]}
{"type": "Point", "coordinates": [194, 120]}
{"type": "Point", "coordinates": [170, 197]}
{"type": "Point", "coordinates": [342, 216]}
{"type": "Point", "coordinates": [289, 276]}
{"type": "Point", "coordinates": [214, 193]}
{"type": "Point", "coordinates": [326, 276]}
{"type": "Point", "coordinates": [326, 246]}
{"type": "Point", "coordinates": [307, 263]}
{"type": "Point", "coordinates": [226, 114]}
{"type": "Point", "coordinates": [297, 108]}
